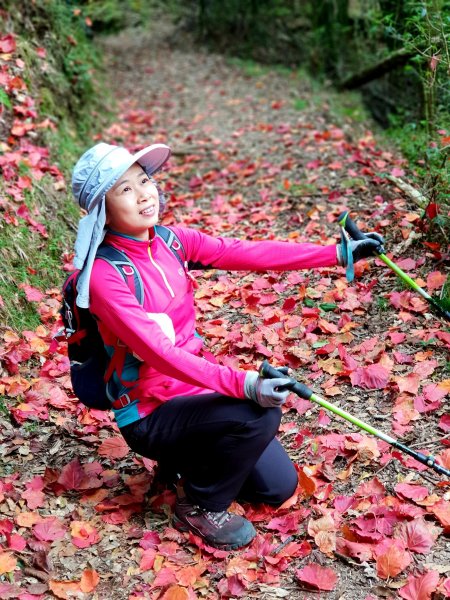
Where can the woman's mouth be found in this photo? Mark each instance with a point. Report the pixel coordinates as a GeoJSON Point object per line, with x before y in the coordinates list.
{"type": "Point", "coordinates": [148, 212]}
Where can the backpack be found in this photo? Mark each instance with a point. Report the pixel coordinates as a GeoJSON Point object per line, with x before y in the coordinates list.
{"type": "Point", "coordinates": [89, 368]}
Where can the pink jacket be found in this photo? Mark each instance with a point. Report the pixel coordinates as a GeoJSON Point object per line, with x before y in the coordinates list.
{"type": "Point", "coordinates": [164, 356]}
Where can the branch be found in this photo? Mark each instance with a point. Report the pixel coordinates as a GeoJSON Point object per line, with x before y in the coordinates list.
{"type": "Point", "coordinates": [394, 60]}
{"type": "Point", "coordinates": [416, 196]}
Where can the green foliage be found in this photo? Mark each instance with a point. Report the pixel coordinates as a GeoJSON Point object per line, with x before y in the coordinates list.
{"type": "Point", "coordinates": [28, 258]}
{"type": "Point", "coordinates": [382, 303]}
{"type": "Point", "coordinates": [67, 88]}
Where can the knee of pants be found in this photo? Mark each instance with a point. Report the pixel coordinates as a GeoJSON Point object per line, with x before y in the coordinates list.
{"type": "Point", "coordinates": [270, 421]}
{"type": "Point", "coordinates": [284, 489]}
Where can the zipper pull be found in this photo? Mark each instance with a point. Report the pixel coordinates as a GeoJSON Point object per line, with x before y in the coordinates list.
{"type": "Point", "coordinates": [190, 276]}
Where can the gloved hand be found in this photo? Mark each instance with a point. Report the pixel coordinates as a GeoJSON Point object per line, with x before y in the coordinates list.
{"type": "Point", "coordinates": [370, 246]}
{"type": "Point", "coordinates": [264, 391]}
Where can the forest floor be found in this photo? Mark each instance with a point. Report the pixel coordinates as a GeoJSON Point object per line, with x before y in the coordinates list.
{"type": "Point", "coordinates": [259, 153]}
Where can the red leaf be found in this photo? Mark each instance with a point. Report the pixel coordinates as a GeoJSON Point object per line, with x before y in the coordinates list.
{"type": "Point", "coordinates": [7, 44]}
{"type": "Point", "coordinates": [444, 423]}
{"type": "Point", "coordinates": [72, 475]}
{"type": "Point", "coordinates": [374, 487]}
{"type": "Point", "coordinates": [444, 458]}
{"type": "Point", "coordinates": [164, 578]}
{"type": "Point", "coordinates": [49, 530]}
{"type": "Point", "coordinates": [372, 377]}
{"type": "Point", "coordinates": [397, 337]}
{"type": "Point", "coordinates": [441, 510]}
{"type": "Point", "coordinates": [32, 294]}
{"type": "Point", "coordinates": [113, 447]}
{"type": "Point", "coordinates": [406, 264]}
{"type": "Point", "coordinates": [416, 536]}
{"type": "Point", "coordinates": [421, 587]}
{"type": "Point", "coordinates": [289, 522]}
{"type": "Point", "coordinates": [411, 492]}
{"type": "Point", "coordinates": [150, 539]}
{"type": "Point", "coordinates": [318, 577]}
{"type": "Point", "coordinates": [410, 383]}
{"type": "Point", "coordinates": [9, 590]}
{"type": "Point", "coordinates": [434, 392]}
{"type": "Point", "coordinates": [16, 542]}
{"type": "Point", "coordinates": [147, 559]}
{"type": "Point", "coordinates": [361, 551]}
{"type": "Point", "coordinates": [432, 210]}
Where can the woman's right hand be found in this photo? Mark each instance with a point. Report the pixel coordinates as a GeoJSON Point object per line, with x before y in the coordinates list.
{"type": "Point", "coordinates": [268, 393]}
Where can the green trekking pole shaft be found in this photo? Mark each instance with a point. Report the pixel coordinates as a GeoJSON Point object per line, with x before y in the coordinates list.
{"type": "Point", "coordinates": [303, 391]}
{"type": "Point", "coordinates": [350, 226]}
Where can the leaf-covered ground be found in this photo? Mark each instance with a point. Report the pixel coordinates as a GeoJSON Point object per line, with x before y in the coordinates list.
{"type": "Point", "coordinates": [256, 155]}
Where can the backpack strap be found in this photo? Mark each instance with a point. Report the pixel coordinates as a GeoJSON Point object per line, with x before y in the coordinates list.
{"type": "Point", "coordinates": [130, 274]}
{"type": "Point", "coordinates": [123, 265]}
{"type": "Point", "coordinates": [174, 243]}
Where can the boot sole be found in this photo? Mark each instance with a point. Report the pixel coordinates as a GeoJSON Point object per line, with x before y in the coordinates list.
{"type": "Point", "coordinates": [181, 526]}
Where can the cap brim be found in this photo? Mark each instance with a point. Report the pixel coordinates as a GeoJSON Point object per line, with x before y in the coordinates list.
{"type": "Point", "coordinates": [153, 157]}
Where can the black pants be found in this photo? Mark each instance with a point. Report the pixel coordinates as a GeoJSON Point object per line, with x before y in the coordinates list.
{"type": "Point", "coordinates": [225, 448]}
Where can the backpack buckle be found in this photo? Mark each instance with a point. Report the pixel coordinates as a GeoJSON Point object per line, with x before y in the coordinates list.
{"type": "Point", "coordinates": [127, 269]}
{"type": "Point", "coordinates": [122, 401]}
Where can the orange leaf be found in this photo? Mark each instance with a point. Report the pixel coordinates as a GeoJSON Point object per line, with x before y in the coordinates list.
{"type": "Point", "coordinates": [113, 447]}
{"type": "Point", "coordinates": [307, 483]}
{"type": "Point", "coordinates": [445, 385]}
{"type": "Point", "coordinates": [189, 575]}
{"type": "Point", "coordinates": [60, 588]}
{"type": "Point", "coordinates": [28, 519]}
{"type": "Point", "coordinates": [89, 580]}
{"type": "Point", "coordinates": [176, 592]}
{"type": "Point", "coordinates": [392, 562]}
{"type": "Point", "coordinates": [7, 562]}
{"type": "Point", "coordinates": [83, 534]}
{"type": "Point", "coordinates": [435, 280]}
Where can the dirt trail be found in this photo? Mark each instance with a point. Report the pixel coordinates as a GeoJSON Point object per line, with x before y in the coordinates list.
{"type": "Point", "coordinates": [257, 153]}
{"type": "Point", "coordinates": [272, 137]}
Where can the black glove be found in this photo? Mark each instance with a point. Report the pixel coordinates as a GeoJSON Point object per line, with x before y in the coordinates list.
{"type": "Point", "coordinates": [370, 246]}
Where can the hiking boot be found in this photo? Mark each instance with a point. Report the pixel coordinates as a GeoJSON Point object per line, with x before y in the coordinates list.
{"type": "Point", "coordinates": [221, 529]}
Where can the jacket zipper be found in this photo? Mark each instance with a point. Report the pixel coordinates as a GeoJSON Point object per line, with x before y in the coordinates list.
{"type": "Point", "coordinates": [163, 275]}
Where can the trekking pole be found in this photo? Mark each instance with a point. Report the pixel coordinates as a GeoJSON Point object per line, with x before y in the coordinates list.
{"type": "Point", "coordinates": [303, 391]}
{"type": "Point", "coordinates": [351, 228]}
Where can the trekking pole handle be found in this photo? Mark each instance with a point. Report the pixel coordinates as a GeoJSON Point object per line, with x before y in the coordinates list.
{"type": "Point", "coordinates": [268, 372]}
{"type": "Point", "coordinates": [350, 226]}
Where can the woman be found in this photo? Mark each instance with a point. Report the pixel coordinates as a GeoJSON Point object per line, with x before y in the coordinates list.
{"type": "Point", "coordinates": [213, 425]}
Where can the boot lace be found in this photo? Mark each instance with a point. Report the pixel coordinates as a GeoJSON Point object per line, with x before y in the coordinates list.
{"type": "Point", "coordinates": [218, 518]}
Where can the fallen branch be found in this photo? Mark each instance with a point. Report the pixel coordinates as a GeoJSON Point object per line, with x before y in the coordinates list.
{"type": "Point", "coordinates": [416, 196]}
{"type": "Point", "coordinates": [391, 62]}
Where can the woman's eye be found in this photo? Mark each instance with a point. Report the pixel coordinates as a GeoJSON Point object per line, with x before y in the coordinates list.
{"type": "Point", "coordinates": [145, 180]}
{"type": "Point", "coordinates": [126, 189]}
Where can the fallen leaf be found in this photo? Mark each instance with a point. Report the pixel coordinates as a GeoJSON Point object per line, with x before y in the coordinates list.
{"type": "Point", "coordinates": [89, 580]}
{"type": "Point", "coordinates": [320, 578]}
{"type": "Point", "coordinates": [114, 447]}
{"type": "Point", "coordinates": [420, 587]}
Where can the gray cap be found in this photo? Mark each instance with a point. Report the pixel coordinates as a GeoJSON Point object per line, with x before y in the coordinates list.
{"type": "Point", "coordinates": [102, 165]}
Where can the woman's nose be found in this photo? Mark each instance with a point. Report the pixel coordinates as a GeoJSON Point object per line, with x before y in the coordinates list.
{"type": "Point", "coordinates": [142, 196]}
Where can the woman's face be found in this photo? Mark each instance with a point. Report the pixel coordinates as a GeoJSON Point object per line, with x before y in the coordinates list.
{"type": "Point", "coordinates": [132, 205]}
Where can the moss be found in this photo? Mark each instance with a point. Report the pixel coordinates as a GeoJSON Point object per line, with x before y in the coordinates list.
{"type": "Point", "coordinates": [68, 89]}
